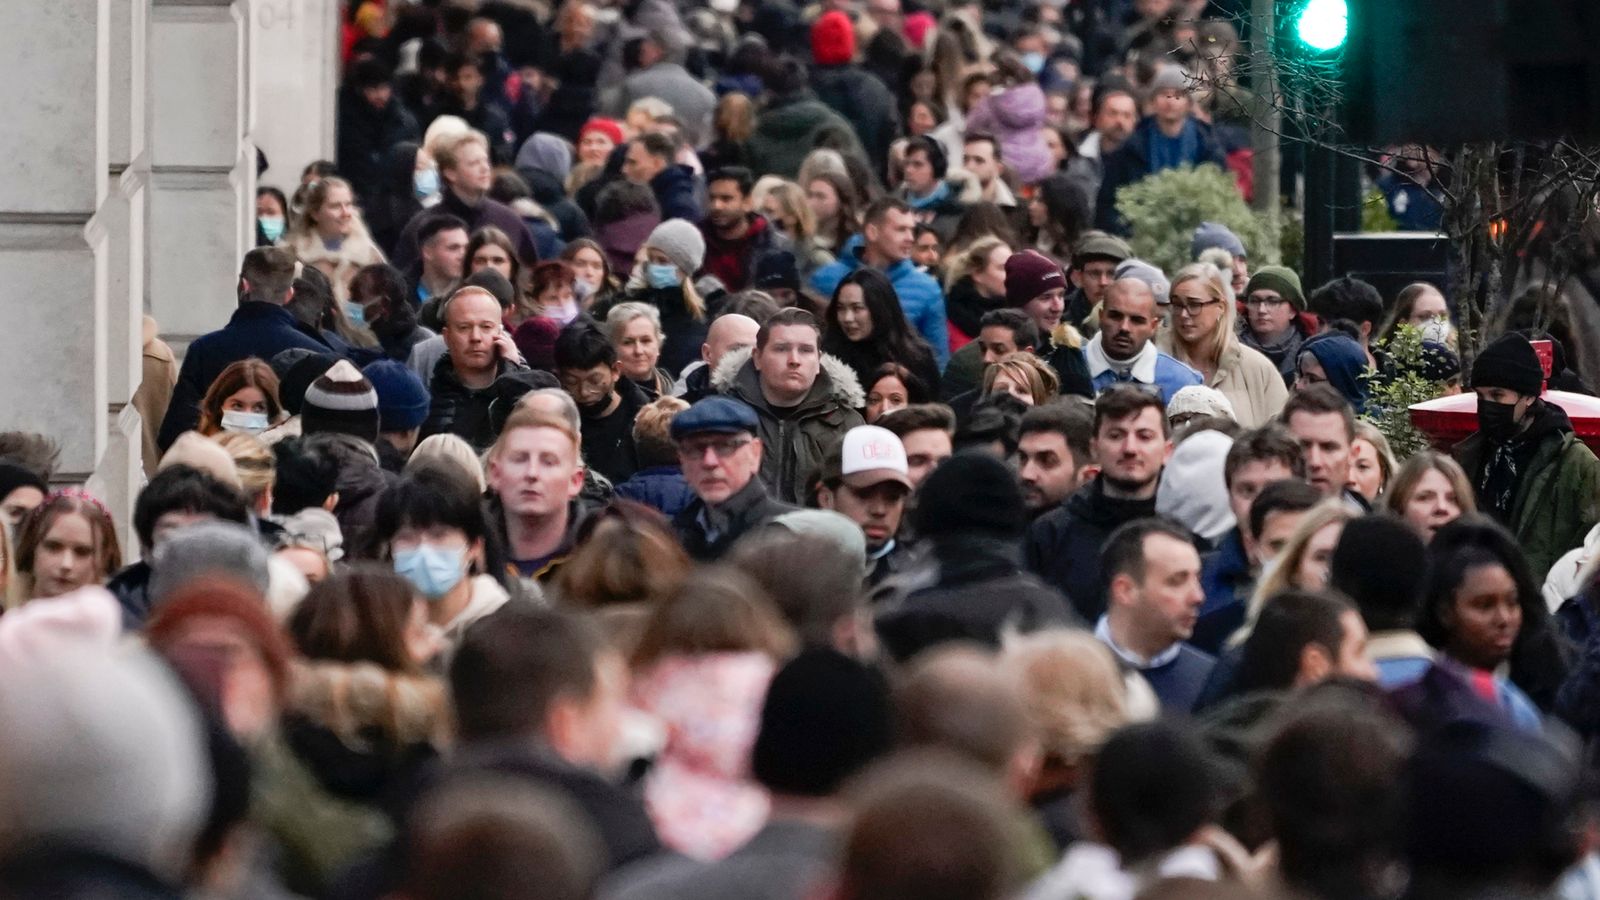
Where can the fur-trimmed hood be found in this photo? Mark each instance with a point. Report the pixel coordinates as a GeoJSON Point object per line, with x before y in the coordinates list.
{"type": "Point", "coordinates": [1064, 335]}
{"type": "Point", "coordinates": [354, 699]}
{"type": "Point", "coordinates": [837, 381]}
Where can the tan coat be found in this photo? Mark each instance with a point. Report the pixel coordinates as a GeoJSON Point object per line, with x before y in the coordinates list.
{"type": "Point", "coordinates": [340, 265]}
{"type": "Point", "coordinates": [1247, 378]}
{"type": "Point", "coordinates": [154, 393]}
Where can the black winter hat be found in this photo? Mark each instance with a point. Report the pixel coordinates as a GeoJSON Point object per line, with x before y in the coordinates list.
{"type": "Point", "coordinates": [297, 379]}
{"type": "Point", "coordinates": [1377, 564]}
{"type": "Point", "coordinates": [971, 491]}
{"type": "Point", "coordinates": [825, 718]}
{"type": "Point", "coordinates": [1509, 363]}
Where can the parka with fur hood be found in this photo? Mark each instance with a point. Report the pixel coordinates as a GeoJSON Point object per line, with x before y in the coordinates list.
{"type": "Point", "coordinates": [793, 447]}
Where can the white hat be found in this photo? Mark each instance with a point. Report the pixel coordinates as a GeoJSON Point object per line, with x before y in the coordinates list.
{"type": "Point", "coordinates": [1197, 398]}
{"type": "Point", "coordinates": [872, 455]}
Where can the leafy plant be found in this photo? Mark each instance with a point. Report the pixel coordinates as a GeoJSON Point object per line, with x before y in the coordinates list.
{"type": "Point", "coordinates": [1375, 213]}
{"type": "Point", "coordinates": [1164, 209]}
{"type": "Point", "coordinates": [1392, 393]}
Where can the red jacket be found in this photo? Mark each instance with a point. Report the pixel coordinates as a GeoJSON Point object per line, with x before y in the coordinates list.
{"type": "Point", "coordinates": [732, 261]}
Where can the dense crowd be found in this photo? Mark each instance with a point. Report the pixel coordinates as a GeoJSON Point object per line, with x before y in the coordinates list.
{"type": "Point", "coordinates": [732, 451]}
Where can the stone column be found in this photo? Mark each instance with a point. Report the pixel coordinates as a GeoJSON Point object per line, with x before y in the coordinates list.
{"type": "Point", "coordinates": [201, 195]}
{"type": "Point", "coordinates": [54, 236]}
{"type": "Point", "coordinates": [295, 44]}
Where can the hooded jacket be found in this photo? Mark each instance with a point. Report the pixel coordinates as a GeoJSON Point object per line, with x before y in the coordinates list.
{"type": "Point", "coordinates": [1131, 162]}
{"type": "Point", "coordinates": [1016, 116]}
{"type": "Point", "coordinates": [790, 127]}
{"type": "Point", "coordinates": [1557, 498]}
{"type": "Point", "coordinates": [856, 95]}
{"type": "Point", "coordinates": [920, 296]}
{"type": "Point", "coordinates": [943, 208]}
{"type": "Point", "coordinates": [1345, 364]}
{"type": "Point", "coordinates": [1063, 545]}
{"type": "Point", "coordinates": [793, 446]}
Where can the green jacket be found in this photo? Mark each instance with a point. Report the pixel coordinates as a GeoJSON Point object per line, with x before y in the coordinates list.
{"type": "Point", "coordinates": [1558, 499]}
{"type": "Point", "coordinates": [791, 127]}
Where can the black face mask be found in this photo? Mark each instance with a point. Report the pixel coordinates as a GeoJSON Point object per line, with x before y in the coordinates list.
{"type": "Point", "coordinates": [594, 410]}
{"type": "Point", "coordinates": [1497, 421]}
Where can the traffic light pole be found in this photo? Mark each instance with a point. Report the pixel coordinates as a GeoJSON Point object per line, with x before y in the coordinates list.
{"type": "Point", "coordinates": [1332, 204]}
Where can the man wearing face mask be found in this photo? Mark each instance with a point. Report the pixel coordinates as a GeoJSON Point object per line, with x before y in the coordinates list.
{"type": "Point", "coordinates": [1528, 469]}
{"type": "Point", "coordinates": [587, 365]}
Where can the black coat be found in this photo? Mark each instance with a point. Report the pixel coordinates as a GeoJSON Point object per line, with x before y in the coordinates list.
{"type": "Point", "coordinates": [677, 191]}
{"type": "Point", "coordinates": [488, 212]}
{"type": "Point", "coordinates": [682, 333]}
{"type": "Point", "coordinates": [864, 358]}
{"type": "Point", "coordinates": [1063, 545]}
{"type": "Point", "coordinates": [366, 136]}
{"type": "Point", "coordinates": [459, 410]}
{"type": "Point", "coordinates": [747, 510]}
{"type": "Point", "coordinates": [1131, 162]}
{"type": "Point", "coordinates": [854, 93]}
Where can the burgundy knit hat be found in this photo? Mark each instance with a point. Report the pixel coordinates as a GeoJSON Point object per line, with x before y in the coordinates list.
{"type": "Point", "coordinates": [1029, 274]}
{"type": "Point", "coordinates": [833, 39]}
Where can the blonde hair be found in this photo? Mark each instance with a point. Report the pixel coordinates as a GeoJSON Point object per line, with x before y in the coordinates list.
{"type": "Point", "coordinates": [1419, 464]}
{"type": "Point", "coordinates": [652, 430]}
{"type": "Point", "coordinates": [1222, 337]}
{"type": "Point", "coordinates": [1279, 576]}
{"type": "Point", "coordinates": [1387, 465]}
{"type": "Point", "coordinates": [735, 117]}
{"type": "Point", "coordinates": [451, 449]}
{"type": "Point", "coordinates": [972, 259]}
{"type": "Point", "coordinates": [526, 417]}
{"type": "Point", "coordinates": [1072, 689]}
{"type": "Point", "coordinates": [651, 108]}
{"type": "Point", "coordinates": [820, 161]}
{"type": "Point", "coordinates": [443, 130]}
{"type": "Point", "coordinates": [257, 466]}
{"type": "Point", "coordinates": [446, 154]}
{"type": "Point", "coordinates": [1028, 369]}
{"type": "Point", "coordinates": [303, 225]}
{"type": "Point", "coordinates": [791, 199]}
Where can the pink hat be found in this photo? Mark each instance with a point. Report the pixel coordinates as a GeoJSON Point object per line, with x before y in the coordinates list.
{"type": "Point", "coordinates": [917, 27]}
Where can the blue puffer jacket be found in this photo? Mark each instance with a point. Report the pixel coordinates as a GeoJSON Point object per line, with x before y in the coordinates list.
{"type": "Point", "coordinates": [919, 294]}
{"type": "Point", "coordinates": [659, 487]}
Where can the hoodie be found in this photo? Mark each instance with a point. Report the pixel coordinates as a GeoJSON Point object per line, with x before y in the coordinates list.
{"type": "Point", "coordinates": [1063, 545]}
{"type": "Point", "coordinates": [1345, 364]}
{"type": "Point", "coordinates": [1016, 116]}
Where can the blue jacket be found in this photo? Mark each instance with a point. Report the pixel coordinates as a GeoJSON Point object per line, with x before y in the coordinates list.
{"type": "Point", "coordinates": [677, 193]}
{"type": "Point", "coordinates": [1225, 577]}
{"type": "Point", "coordinates": [660, 487]}
{"type": "Point", "coordinates": [919, 295]}
{"type": "Point", "coordinates": [1171, 377]}
{"type": "Point", "coordinates": [257, 329]}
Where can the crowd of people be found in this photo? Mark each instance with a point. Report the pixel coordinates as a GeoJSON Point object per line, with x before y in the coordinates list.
{"type": "Point", "coordinates": [732, 451]}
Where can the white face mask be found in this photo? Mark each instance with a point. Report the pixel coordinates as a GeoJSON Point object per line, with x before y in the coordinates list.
{"type": "Point", "coordinates": [246, 422]}
{"type": "Point", "coordinates": [1437, 330]}
{"type": "Point", "coordinates": [726, 7]}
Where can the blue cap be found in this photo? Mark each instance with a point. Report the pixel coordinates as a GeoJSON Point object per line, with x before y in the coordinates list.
{"type": "Point", "coordinates": [1215, 234]}
{"type": "Point", "coordinates": [717, 415]}
{"type": "Point", "coordinates": [402, 399]}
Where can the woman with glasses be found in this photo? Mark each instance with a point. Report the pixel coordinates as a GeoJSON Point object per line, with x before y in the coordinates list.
{"type": "Point", "coordinates": [1203, 337]}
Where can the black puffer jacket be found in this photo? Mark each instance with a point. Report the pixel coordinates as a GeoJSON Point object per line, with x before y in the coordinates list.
{"type": "Point", "coordinates": [361, 480]}
{"type": "Point", "coordinates": [459, 410]}
{"type": "Point", "coordinates": [1063, 545]}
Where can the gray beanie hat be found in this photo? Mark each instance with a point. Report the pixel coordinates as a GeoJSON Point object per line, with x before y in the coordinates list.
{"type": "Point", "coordinates": [681, 242]}
{"type": "Point", "coordinates": [1215, 234]}
{"type": "Point", "coordinates": [216, 548]}
{"type": "Point", "coordinates": [1142, 271]}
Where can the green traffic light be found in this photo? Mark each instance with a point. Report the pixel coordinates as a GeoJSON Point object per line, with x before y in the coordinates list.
{"type": "Point", "coordinates": [1324, 24]}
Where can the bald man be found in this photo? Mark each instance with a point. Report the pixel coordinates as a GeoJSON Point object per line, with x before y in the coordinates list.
{"type": "Point", "coordinates": [727, 334]}
{"type": "Point", "coordinates": [477, 352]}
{"type": "Point", "coordinates": [1125, 349]}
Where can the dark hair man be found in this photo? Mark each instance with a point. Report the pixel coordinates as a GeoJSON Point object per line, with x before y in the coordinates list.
{"type": "Point", "coordinates": [885, 244]}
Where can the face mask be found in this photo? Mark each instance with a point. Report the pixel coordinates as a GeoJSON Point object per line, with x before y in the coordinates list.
{"type": "Point", "coordinates": [1497, 421]}
{"type": "Point", "coordinates": [271, 226]}
{"type": "Point", "coordinates": [596, 409]}
{"type": "Point", "coordinates": [726, 7]}
{"type": "Point", "coordinates": [245, 422]}
{"type": "Point", "coordinates": [433, 571]}
{"type": "Point", "coordinates": [356, 313]}
{"type": "Point", "coordinates": [1034, 62]}
{"type": "Point", "coordinates": [426, 183]}
{"type": "Point", "coordinates": [661, 276]}
{"type": "Point", "coordinates": [563, 313]}
{"type": "Point", "coordinates": [1436, 330]}
{"type": "Point", "coordinates": [582, 289]}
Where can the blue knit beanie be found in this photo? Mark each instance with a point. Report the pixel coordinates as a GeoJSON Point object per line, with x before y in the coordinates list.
{"type": "Point", "coordinates": [402, 399]}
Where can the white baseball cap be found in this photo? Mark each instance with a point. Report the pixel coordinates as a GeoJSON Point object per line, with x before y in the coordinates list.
{"type": "Point", "coordinates": [871, 455]}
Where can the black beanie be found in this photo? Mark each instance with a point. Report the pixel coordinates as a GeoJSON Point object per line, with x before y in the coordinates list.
{"type": "Point", "coordinates": [1509, 363]}
{"type": "Point", "coordinates": [971, 491]}
{"type": "Point", "coordinates": [825, 718]}
{"type": "Point", "coordinates": [13, 476]}
{"type": "Point", "coordinates": [294, 383]}
{"type": "Point", "coordinates": [1378, 564]}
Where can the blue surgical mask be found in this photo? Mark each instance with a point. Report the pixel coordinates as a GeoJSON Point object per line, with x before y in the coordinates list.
{"type": "Point", "coordinates": [426, 183]}
{"type": "Point", "coordinates": [661, 276]}
{"type": "Point", "coordinates": [1034, 62]}
{"type": "Point", "coordinates": [432, 570]}
{"type": "Point", "coordinates": [246, 422]}
{"type": "Point", "coordinates": [271, 226]}
{"type": "Point", "coordinates": [356, 313]}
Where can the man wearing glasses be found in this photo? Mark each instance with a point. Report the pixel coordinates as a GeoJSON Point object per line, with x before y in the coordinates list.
{"type": "Point", "coordinates": [720, 455]}
{"type": "Point", "coordinates": [1124, 351]}
{"type": "Point", "coordinates": [1272, 323]}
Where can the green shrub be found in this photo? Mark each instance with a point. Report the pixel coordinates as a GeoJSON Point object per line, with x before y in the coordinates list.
{"type": "Point", "coordinates": [1392, 393]}
{"type": "Point", "coordinates": [1163, 210]}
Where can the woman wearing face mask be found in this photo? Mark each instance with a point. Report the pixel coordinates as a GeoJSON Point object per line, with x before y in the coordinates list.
{"type": "Point", "coordinates": [68, 542]}
{"type": "Point", "coordinates": [329, 233]}
{"type": "Point", "coordinates": [635, 330]}
{"type": "Point", "coordinates": [243, 398]}
{"type": "Point", "coordinates": [410, 185]}
{"type": "Point", "coordinates": [272, 215]}
{"type": "Point", "coordinates": [432, 532]}
{"type": "Point", "coordinates": [865, 328]}
{"type": "Point", "coordinates": [672, 254]}
{"type": "Point", "coordinates": [594, 283]}
{"type": "Point", "coordinates": [381, 292]}
{"type": "Point", "coordinates": [1423, 307]}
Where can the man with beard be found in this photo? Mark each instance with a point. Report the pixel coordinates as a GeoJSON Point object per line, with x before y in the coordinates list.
{"type": "Point", "coordinates": [1124, 351]}
{"type": "Point", "coordinates": [1131, 444]}
{"type": "Point", "coordinates": [1053, 455]}
{"type": "Point", "coordinates": [735, 236]}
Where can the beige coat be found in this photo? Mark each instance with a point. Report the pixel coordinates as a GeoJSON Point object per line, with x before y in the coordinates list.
{"type": "Point", "coordinates": [340, 265]}
{"type": "Point", "coordinates": [154, 393]}
{"type": "Point", "coordinates": [1247, 378]}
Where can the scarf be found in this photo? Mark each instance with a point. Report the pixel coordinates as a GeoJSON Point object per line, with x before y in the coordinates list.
{"type": "Point", "coordinates": [940, 192]}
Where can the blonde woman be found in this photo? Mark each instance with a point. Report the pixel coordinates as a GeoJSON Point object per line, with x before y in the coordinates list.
{"type": "Point", "coordinates": [1303, 564]}
{"type": "Point", "coordinates": [635, 330]}
{"type": "Point", "coordinates": [1430, 491]}
{"type": "Point", "coordinates": [975, 284]}
{"type": "Point", "coordinates": [1203, 337]}
{"type": "Point", "coordinates": [328, 232]}
{"type": "Point", "coordinates": [787, 209]}
{"type": "Point", "coordinates": [1372, 463]}
{"type": "Point", "coordinates": [1023, 376]}
{"type": "Point", "coordinates": [257, 467]}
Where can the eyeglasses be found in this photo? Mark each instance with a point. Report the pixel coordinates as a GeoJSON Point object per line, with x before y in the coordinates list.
{"type": "Point", "coordinates": [722, 448]}
{"type": "Point", "coordinates": [1268, 302]}
{"type": "Point", "coordinates": [1192, 308]}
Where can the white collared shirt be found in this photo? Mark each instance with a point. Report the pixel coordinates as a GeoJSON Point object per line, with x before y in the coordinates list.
{"type": "Point", "coordinates": [1142, 367]}
{"type": "Point", "coordinates": [1102, 630]}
